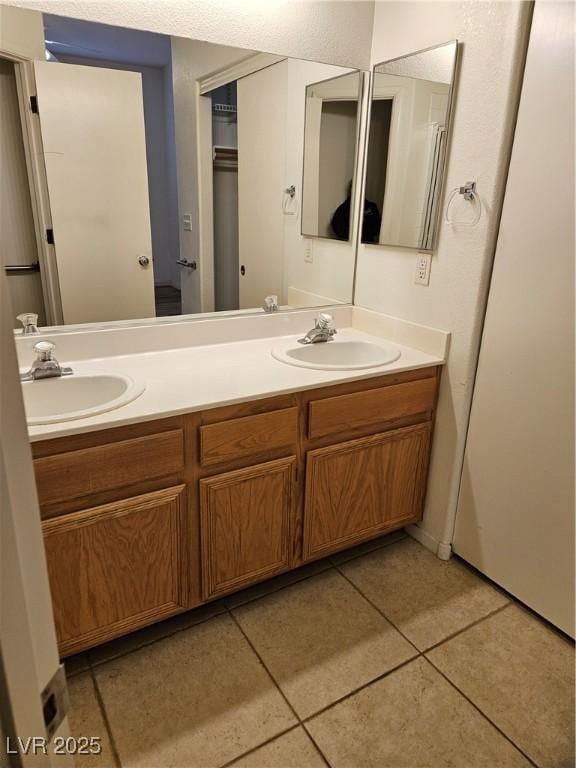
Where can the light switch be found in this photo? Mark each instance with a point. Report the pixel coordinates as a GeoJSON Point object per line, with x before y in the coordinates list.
{"type": "Point", "coordinates": [187, 222]}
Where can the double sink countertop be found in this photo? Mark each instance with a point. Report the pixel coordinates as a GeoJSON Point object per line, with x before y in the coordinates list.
{"type": "Point", "coordinates": [209, 372]}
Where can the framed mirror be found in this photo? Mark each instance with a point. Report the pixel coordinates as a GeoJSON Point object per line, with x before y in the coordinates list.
{"type": "Point", "coordinates": [406, 155]}
{"type": "Point", "coordinates": [170, 175]}
{"type": "Point", "coordinates": [330, 156]}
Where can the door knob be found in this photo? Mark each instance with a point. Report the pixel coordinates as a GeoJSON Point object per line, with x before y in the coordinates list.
{"type": "Point", "coordinates": [143, 261]}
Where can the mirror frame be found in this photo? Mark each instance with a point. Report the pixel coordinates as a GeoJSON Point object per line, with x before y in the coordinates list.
{"type": "Point", "coordinates": [449, 121]}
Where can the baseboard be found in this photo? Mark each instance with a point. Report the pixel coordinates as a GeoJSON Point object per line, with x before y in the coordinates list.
{"type": "Point", "coordinates": [439, 548]}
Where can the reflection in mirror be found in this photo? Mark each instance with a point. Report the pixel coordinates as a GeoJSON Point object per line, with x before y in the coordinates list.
{"type": "Point", "coordinates": [172, 171]}
{"type": "Point", "coordinates": [407, 140]}
{"type": "Point", "coordinates": [330, 143]}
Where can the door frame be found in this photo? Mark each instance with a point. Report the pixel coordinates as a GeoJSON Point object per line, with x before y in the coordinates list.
{"type": "Point", "coordinates": [204, 86]}
{"type": "Point", "coordinates": [37, 182]}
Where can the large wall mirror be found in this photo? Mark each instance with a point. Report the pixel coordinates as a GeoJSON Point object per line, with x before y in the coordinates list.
{"type": "Point", "coordinates": [172, 173]}
{"type": "Point", "coordinates": [409, 115]}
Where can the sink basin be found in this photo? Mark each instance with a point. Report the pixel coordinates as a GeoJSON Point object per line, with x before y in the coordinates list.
{"type": "Point", "coordinates": [77, 396]}
{"type": "Point", "coordinates": [340, 354]}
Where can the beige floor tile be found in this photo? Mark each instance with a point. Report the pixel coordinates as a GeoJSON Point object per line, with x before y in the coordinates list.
{"type": "Point", "coordinates": [413, 718]}
{"type": "Point", "coordinates": [197, 699]}
{"type": "Point", "coordinates": [154, 632]}
{"type": "Point", "coordinates": [426, 598]}
{"type": "Point", "coordinates": [278, 582]}
{"type": "Point", "coordinates": [366, 547]}
{"type": "Point", "coordinates": [521, 675]}
{"type": "Point", "coordinates": [321, 640]}
{"type": "Point", "coordinates": [292, 750]}
{"type": "Point", "coordinates": [86, 719]}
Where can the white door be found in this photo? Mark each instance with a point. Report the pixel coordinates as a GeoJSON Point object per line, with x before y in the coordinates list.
{"type": "Point", "coordinates": [261, 168]}
{"type": "Point", "coordinates": [516, 509]}
{"type": "Point", "coordinates": [92, 124]}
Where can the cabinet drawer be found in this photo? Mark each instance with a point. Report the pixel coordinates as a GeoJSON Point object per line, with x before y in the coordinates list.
{"type": "Point", "coordinates": [105, 467]}
{"type": "Point", "coordinates": [117, 567]}
{"type": "Point", "coordinates": [248, 437]}
{"type": "Point", "coordinates": [374, 407]}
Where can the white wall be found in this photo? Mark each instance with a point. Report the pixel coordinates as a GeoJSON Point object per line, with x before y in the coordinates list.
{"type": "Point", "coordinates": [338, 31]}
{"type": "Point", "coordinates": [21, 33]}
{"type": "Point", "coordinates": [493, 37]}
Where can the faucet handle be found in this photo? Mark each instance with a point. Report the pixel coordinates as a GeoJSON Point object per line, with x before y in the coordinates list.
{"type": "Point", "coordinates": [29, 322]}
{"type": "Point", "coordinates": [271, 303]}
{"type": "Point", "coordinates": [324, 321]}
{"type": "Point", "coordinates": [45, 350]}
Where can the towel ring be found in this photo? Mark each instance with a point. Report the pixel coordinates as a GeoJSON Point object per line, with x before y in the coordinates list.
{"type": "Point", "coordinates": [468, 192]}
{"type": "Point", "coordinates": [289, 201]}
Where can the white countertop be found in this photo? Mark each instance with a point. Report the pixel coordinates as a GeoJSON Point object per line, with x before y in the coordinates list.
{"type": "Point", "coordinates": [199, 377]}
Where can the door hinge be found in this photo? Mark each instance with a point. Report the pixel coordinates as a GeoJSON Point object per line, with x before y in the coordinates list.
{"type": "Point", "coordinates": [50, 236]}
{"type": "Point", "coordinates": [55, 701]}
{"type": "Point", "coordinates": [34, 105]}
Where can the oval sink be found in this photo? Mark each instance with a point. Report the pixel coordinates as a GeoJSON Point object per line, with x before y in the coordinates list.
{"type": "Point", "coordinates": [77, 396]}
{"type": "Point", "coordinates": [340, 354]}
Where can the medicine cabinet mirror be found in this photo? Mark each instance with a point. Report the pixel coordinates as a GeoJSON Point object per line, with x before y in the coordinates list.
{"type": "Point", "coordinates": [406, 155]}
{"type": "Point", "coordinates": [330, 148]}
{"type": "Point", "coordinates": [171, 175]}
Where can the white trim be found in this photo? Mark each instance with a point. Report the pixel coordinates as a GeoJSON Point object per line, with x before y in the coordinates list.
{"type": "Point", "coordinates": [440, 549]}
{"type": "Point", "coordinates": [32, 139]}
{"type": "Point", "coordinates": [241, 69]}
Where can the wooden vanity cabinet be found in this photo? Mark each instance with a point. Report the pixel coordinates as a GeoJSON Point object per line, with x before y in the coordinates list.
{"type": "Point", "coordinates": [146, 521]}
{"type": "Point", "coordinates": [246, 520]}
{"type": "Point", "coordinates": [363, 488]}
{"type": "Point", "coordinates": [117, 567]}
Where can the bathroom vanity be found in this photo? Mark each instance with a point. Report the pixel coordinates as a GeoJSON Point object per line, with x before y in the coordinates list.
{"type": "Point", "coordinates": [149, 519]}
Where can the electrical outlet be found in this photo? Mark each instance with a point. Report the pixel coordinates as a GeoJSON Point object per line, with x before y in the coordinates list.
{"type": "Point", "coordinates": [308, 255]}
{"type": "Point", "coordinates": [423, 263]}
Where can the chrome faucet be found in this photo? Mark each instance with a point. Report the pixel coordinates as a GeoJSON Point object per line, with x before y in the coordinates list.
{"type": "Point", "coordinates": [270, 304]}
{"type": "Point", "coordinates": [323, 330]}
{"type": "Point", "coordinates": [45, 366]}
{"type": "Point", "coordinates": [29, 322]}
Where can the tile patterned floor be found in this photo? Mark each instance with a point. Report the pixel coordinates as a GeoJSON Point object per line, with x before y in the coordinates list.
{"type": "Point", "coordinates": [381, 657]}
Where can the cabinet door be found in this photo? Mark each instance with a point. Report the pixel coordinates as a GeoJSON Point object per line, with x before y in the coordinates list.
{"type": "Point", "coordinates": [363, 488]}
{"type": "Point", "coordinates": [246, 519]}
{"type": "Point", "coordinates": [117, 567]}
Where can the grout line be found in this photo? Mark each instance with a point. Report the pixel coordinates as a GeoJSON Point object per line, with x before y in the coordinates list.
{"type": "Point", "coordinates": [383, 544]}
{"type": "Point", "coordinates": [467, 627]}
{"type": "Point", "coordinates": [93, 665]}
{"type": "Point", "coordinates": [272, 678]}
{"type": "Point", "coordinates": [419, 652]}
{"type": "Point", "coordinates": [104, 714]}
{"type": "Point", "coordinates": [270, 675]}
{"type": "Point", "coordinates": [481, 712]}
{"type": "Point", "coordinates": [263, 744]}
{"type": "Point", "coordinates": [361, 688]}
{"type": "Point", "coordinates": [329, 567]}
{"type": "Point", "coordinates": [315, 743]}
